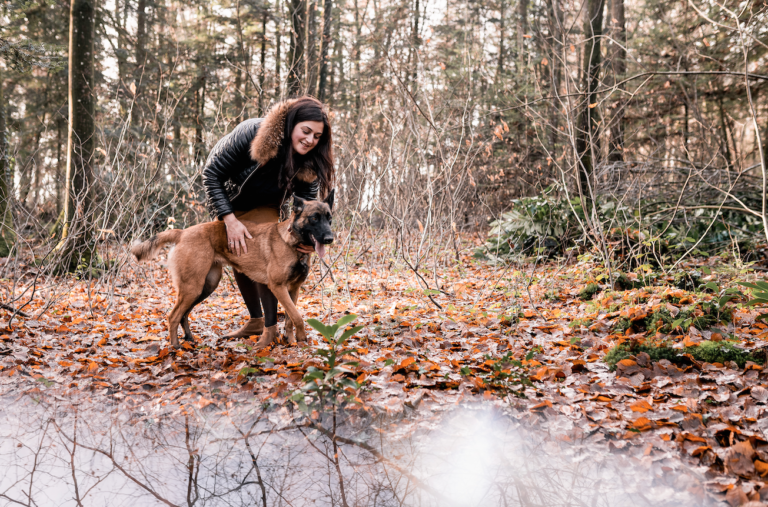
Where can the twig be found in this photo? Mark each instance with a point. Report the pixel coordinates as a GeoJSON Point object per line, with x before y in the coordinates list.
{"type": "Point", "coordinates": [14, 310]}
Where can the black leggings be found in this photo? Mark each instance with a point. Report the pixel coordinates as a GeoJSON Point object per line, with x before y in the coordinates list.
{"type": "Point", "coordinates": [255, 296]}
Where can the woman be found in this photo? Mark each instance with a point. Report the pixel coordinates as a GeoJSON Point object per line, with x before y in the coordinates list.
{"type": "Point", "coordinates": [254, 170]}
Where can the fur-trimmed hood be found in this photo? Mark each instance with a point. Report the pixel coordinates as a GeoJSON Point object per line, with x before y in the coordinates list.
{"type": "Point", "coordinates": [267, 142]}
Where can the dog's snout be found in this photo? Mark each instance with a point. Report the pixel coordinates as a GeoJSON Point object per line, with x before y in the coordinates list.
{"type": "Point", "coordinates": [327, 240]}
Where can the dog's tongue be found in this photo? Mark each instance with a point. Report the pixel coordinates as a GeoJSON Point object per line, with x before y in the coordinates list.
{"type": "Point", "coordinates": [319, 248]}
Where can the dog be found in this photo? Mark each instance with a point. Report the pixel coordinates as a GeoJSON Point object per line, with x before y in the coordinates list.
{"type": "Point", "coordinates": [201, 252]}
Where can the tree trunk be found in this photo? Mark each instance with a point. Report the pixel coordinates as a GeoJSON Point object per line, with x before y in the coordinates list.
{"type": "Point", "coordinates": [120, 55]}
{"type": "Point", "coordinates": [7, 233]}
{"type": "Point", "coordinates": [618, 56]}
{"type": "Point", "coordinates": [325, 44]}
{"type": "Point", "coordinates": [586, 138]}
{"type": "Point", "coordinates": [356, 51]}
{"type": "Point", "coordinates": [296, 53]}
{"type": "Point", "coordinates": [310, 69]}
{"type": "Point", "coordinates": [522, 29]}
{"type": "Point", "coordinates": [278, 31]}
{"type": "Point", "coordinates": [200, 119]}
{"type": "Point", "coordinates": [263, 68]}
{"type": "Point", "coordinates": [60, 169]}
{"type": "Point", "coordinates": [500, 63]}
{"type": "Point", "coordinates": [724, 128]}
{"type": "Point", "coordinates": [337, 62]}
{"type": "Point", "coordinates": [414, 42]}
{"type": "Point", "coordinates": [555, 18]}
{"type": "Point", "coordinates": [141, 60]}
{"type": "Point", "coordinates": [81, 136]}
{"type": "Point", "coordinates": [241, 103]}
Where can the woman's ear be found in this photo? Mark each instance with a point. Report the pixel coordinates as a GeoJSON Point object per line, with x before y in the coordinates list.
{"type": "Point", "coordinates": [298, 205]}
{"type": "Point", "coordinates": [329, 200]}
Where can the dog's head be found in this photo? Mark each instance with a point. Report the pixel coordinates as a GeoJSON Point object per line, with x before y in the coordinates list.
{"type": "Point", "coordinates": [312, 222]}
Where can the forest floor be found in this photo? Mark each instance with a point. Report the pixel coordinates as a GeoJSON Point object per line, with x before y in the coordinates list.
{"type": "Point", "coordinates": [532, 337]}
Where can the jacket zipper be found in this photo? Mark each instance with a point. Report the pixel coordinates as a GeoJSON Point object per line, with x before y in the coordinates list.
{"type": "Point", "coordinates": [243, 184]}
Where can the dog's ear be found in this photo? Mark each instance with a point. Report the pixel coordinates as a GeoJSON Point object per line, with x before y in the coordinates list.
{"type": "Point", "coordinates": [329, 200]}
{"type": "Point", "coordinates": [298, 205]}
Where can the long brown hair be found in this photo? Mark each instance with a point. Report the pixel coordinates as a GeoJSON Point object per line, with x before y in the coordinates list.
{"type": "Point", "coordinates": [319, 159]}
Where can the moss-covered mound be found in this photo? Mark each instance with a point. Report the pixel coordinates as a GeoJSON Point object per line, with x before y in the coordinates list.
{"type": "Point", "coordinates": [706, 351]}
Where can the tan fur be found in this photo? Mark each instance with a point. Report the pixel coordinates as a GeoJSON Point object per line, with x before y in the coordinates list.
{"type": "Point", "coordinates": [148, 250]}
{"type": "Point", "coordinates": [201, 251]}
{"type": "Point", "coordinates": [267, 142]}
{"type": "Point", "coordinates": [270, 135]}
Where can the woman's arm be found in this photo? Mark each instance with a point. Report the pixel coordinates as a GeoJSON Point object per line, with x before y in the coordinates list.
{"type": "Point", "coordinates": [225, 160]}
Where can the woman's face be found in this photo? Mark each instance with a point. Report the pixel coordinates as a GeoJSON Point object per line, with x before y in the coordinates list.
{"type": "Point", "coordinates": [305, 136]}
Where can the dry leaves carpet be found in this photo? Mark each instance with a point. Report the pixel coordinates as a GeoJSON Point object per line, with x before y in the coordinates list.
{"type": "Point", "coordinates": [518, 335]}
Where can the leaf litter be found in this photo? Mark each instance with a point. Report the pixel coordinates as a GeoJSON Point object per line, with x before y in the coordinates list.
{"type": "Point", "coordinates": [524, 337]}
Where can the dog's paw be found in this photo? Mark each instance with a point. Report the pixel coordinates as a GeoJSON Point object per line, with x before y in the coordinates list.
{"type": "Point", "coordinates": [290, 332]}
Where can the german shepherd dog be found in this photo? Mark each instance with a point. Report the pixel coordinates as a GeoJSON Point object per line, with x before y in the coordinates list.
{"type": "Point", "coordinates": [272, 259]}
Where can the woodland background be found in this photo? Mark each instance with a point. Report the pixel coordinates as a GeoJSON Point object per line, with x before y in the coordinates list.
{"type": "Point", "coordinates": [555, 206]}
{"type": "Point", "coordinates": [625, 126]}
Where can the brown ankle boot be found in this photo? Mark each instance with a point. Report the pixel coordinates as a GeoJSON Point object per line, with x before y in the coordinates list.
{"type": "Point", "coordinates": [251, 328]}
{"type": "Point", "coordinates": [269, 337]}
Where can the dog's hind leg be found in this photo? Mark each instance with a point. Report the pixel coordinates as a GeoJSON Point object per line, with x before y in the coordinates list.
{"type": "Point", "coordinates": [183, 304]}
{"type": "Point", "coordinates": [211, 282]}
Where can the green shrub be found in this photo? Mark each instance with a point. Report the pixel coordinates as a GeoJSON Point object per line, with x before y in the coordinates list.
{"type": "Point", "coordinates": [588, 292]}
{"type": "Point", "coordinates": [547, 224]}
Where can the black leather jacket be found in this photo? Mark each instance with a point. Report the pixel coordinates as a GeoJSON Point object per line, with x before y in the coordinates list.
{"type": "Point", "coordinates": [234, 181]}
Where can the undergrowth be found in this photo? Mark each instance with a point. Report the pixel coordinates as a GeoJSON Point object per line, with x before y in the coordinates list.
{"type": "Point", "coordinates": [707, 351]}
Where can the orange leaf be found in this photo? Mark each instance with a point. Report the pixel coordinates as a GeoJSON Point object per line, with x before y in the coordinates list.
{"type": "Point", "coordinates": [761, 467]}
{"type": "Point", "coordinates": [93, 367]}
{"type": "Point", "coordinates": [541, 406]}
{"type": "Point", "coordinates": [690, 342]}
{"type": "Point", "coordinates": [641, 406]}
{"type": "Point", "coordinates": [407, 362]}
{"type": "Point", "coordinates": [642, 424]}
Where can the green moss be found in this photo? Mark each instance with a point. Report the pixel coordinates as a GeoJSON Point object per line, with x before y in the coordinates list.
{"type": "Point", "coordinates": [589, 291]}
{"type": "Point", "coordinates": [689, 281]}
{"type": "Point", "coordinates": [662, 320]}
{"type": "Point", "coordinates": [707, 351]}
{"type": "Point", "coordinates": [623, 282]}
{"type": "Point", "coordinates": [622, 325]}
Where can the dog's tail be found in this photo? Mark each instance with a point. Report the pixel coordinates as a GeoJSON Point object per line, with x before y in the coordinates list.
{"type": "Point", "coordinates": [147, 250]}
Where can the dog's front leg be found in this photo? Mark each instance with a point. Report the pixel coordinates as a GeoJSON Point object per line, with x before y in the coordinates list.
{"type": "Point", "coordinates": [290, 331]}
{"type": "Point", "coordinates": [284, 296]}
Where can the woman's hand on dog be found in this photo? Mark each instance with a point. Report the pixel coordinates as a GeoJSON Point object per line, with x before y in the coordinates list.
{"type": "Point", "coordinates": [236, 234]}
